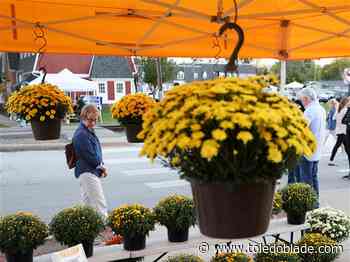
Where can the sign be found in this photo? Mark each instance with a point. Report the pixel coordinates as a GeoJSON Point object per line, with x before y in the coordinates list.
{"type": "Point", "coordinates": [96, 100]}
{"type": "Point", "coordinates": [346, 76]}
{"type": "Point", "coordinates": [72, 254]}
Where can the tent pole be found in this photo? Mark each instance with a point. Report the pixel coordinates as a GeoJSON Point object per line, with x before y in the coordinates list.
{"type": "Point", "coordinates": [283, 74]}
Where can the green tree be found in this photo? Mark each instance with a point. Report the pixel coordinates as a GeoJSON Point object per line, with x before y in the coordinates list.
{"type": "Point", "coordinates": [149, 68]}
{"type": "Point", "coordinates": [300, 71]}
{"type": "Point", "coordinates": [334, 70]}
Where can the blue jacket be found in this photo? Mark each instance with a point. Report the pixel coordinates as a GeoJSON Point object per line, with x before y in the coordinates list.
{"type": "Point", "coordinates": [331, 120]}
{"type": "Point", "coordinates": [88, 150]}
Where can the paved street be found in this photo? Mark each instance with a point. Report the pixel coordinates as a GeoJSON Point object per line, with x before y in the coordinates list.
{"type": "Point", "coordinates": [38, 181]}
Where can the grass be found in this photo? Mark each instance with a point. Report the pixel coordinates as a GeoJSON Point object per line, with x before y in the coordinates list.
{"type": "Point", "coordinates": [107, 116]}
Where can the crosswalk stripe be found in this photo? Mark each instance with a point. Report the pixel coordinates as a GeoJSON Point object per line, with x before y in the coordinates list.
{"type": "Point", "coordinates": [343, 170]}
{"type": "Point", "coordinates": [122, 149]}
{"type": "Point", "coordinates": [127, 160]}
{"type": "Point", "coordinates": [166, 184]}
{"type": "Point", "coordinates": [148, 171]}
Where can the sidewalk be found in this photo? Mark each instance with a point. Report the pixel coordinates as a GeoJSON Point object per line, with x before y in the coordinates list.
{"type": "Point", "coordinates": [21, 139]}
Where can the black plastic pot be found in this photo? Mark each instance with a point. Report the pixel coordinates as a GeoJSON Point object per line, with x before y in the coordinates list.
{"type": "Point", "coordinates": [19, 257]}
{"type": "Point", "coordinates": [296, 219]}
{"type": "Point", "coordinates": [136, 242]}
{"type": "Point", "coordinates": [88, 248]}
{"type": "Point", "coordinates": [177, 235]}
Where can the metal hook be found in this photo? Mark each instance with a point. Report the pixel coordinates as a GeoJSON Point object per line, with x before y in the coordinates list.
{"type": "Point", "coordinates": [232, 65]}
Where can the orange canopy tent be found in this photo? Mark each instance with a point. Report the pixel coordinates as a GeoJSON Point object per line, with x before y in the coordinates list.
{"type": "Point", "coordinates": [282, 29]}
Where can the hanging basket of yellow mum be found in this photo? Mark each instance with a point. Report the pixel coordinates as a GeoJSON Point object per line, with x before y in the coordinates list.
{"type": "Point", "coordinates": [129, 111]}
{"type": "Point", "coordinates": [230, 135]}
{"type": "Point", "coordinates": [44, 105]}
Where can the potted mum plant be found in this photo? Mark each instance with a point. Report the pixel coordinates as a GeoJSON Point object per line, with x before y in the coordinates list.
{"type": "Point", "coordinates": [297, 199]}
{"type": "Point", "coordinates": [80, 224]}
{"type": "Point", "coordinates": [44, 106]}
{"type": "Point", "coordinates": [231, 140]}
{"type": "Point", "coordinates": [318, 248]}
{"type": "Point", "coordinates": [177, 213]}
{"type": "Point", "coordinates": [331, 222]}
{"type": "Point", "coordinates": [20, 234]}
{"type": "Point", "coordinates": [129, 111]}
{"type": "Point", "coordinates": [231, 257]}
{"type": "Point", "coordinates": [184, 258]}
{"type": "Point", "coordinates": [133, 222]}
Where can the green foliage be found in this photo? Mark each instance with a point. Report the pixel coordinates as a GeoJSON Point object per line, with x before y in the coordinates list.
{"type": "Point", "coordinates": [277, 203]}
{"type": "Point", "coordinates": [300, 71]}
{"type": "Point", "coordinates": [149, 68]}
{"type": "Point", "coordinates": [298, 198]}
{"type": "Point", "coordinates": [184, 258]}
{"type": "Point", "coordinates": [231, 257]}
{"type": "Point", "coordinates": [132, 220]}
{"type": "Point", "coordinates": [334, 70]}
{"type": "Point", "coordinates": [74, 225]}
{"type": "Point", "coordinates": [21, 232]}
{"type": "Point", "coordinates": [277, 252]}
{"type": "Point", "coordinates": [319, 248]}
{"type": "Point", "coordinates": [176, 212]}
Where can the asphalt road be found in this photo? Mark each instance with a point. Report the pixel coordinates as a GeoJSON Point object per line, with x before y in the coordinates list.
{"type": "Point", "coordinates": [39, 181]}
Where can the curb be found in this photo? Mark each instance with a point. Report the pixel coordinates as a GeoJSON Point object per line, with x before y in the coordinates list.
{"type": "Point", "coordinates": [51, 147]}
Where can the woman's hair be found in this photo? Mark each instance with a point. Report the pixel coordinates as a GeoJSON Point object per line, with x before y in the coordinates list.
{"type": "Point", "coordinates": [87, 110]}
{"type": "Point", "coordinates": [343, 102]}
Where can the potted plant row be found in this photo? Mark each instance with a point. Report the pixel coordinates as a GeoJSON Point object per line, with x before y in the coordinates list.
{"type": "Point", "coordinates": [129, 111]}
{"type": "Point", "coordinates": [44, 106]}
{"type": "Point", "coordinates": [232, 141]}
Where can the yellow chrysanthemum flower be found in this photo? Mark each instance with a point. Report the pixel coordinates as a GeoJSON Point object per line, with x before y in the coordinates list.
{"type": "Point", "coordinates": [245, 136]}
{"type": "Point", "coordinates": [209, 149]}
{"type": "Point", "coordinates": [219, 134]}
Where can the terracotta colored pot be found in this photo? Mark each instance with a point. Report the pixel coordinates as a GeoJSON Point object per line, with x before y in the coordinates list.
{"type": "Point", "coordinates": [46, 130]}
{"type": "Point", "coordinates": [225, 211]}
{"type": "Point", "coordinates": [131, 132]}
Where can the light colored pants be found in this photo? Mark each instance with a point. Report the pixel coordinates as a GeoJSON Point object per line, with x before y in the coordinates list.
{"type": "Point", "coordinates": [92, 193]}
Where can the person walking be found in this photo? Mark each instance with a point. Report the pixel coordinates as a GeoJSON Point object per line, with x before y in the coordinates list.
{"type": "Point", "coordinates": [346, 121]}
{"type": "Point", "coordinates": [89, 166]}
{"type": "Point", "coordinates": [340, 131]}
{"type": "Point", "coordinates": [331, 119]}
{"type": "Point", "coordinates": [307, 167]}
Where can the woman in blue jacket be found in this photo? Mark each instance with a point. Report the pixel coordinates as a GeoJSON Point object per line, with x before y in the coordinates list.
{"type": "Point", "coordinates": [89, 167]}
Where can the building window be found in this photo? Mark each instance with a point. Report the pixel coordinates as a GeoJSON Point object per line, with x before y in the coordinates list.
{"type": "Point", "coordinates": [205, 75]}
{"type": "Point", "coordinates": [120, 88]}
{"type": "Point", "coordinates": [102, 88]}
{"type": "Point", "coordinates": [195, 76]}
{"type": "Point", "coordinates": [180, 75]}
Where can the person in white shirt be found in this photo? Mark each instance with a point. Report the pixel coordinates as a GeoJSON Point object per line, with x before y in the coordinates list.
{"type": "Point", "coordinates": [340, 131]}
{"type": "Point", "coordinates": [307, 168]}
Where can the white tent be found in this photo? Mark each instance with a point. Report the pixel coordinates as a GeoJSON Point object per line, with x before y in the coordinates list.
{"type": "Point", "coordinates": [294, 85]}
{"type": "Point", "coordinates": [68, 82]}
